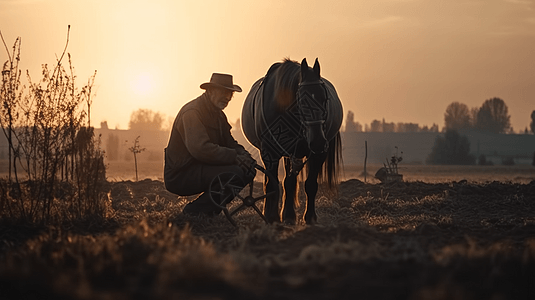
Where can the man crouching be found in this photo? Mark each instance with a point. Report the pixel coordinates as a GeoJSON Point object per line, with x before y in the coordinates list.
{"type": "Point", "coordinates": [201, 147]}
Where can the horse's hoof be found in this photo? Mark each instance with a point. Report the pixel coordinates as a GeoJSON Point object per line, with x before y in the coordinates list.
{"type": "Point", "coordinates": [274, 220]}
{"type": "Point", "coordinates": [311, 221]}
{"type": "Point", "coordinates": [290, 221]}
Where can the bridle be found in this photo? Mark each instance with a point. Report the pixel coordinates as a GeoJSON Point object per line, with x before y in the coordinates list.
{"type": "Point", "coordinates": [303, 95]}
{"type": "Point", "coordinates": [303, 98]}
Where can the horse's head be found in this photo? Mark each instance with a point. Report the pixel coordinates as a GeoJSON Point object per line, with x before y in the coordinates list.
{"type": "Point", "coordinates": [312, 99]}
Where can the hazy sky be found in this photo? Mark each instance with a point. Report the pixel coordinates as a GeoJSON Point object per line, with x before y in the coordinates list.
{"type": "Point", "coordinates": [402, 60]}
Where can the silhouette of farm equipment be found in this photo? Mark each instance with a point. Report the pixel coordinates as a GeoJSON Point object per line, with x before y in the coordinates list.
{"type": "Point", "coordinates": [227, 187]}
{"type": "Point", "coordinates": [390, 172]}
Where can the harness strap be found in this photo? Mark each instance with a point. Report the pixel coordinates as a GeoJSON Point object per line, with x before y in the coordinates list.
{"type": "Point", "coordinates": [326, 109]}
{"type": "Point", "coordinates": [319, 81]}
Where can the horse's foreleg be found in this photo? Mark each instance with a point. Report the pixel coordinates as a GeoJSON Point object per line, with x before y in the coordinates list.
{"type": "Point", "coordinates": [311, 187]}
{"type": "Point", "coordinates": [271, 184]}
{"type": "Point", "coordinates": [290, 188]}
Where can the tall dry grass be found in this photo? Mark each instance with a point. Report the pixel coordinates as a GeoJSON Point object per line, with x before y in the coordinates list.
{"type": "Point", "coordinates": [55, 170]}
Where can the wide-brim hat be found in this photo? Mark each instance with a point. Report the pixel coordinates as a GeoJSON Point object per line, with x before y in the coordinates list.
{"type": "Point", "coordinates": [221, 81]}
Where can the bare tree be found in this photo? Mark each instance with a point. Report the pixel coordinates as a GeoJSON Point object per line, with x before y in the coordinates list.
{"type": "Point", "coordinates": [136, 149]}
{"type": "Point", "coordinates": [493, 116]}
{"type": "Point", "coordinates": [457, 116]}
{"type": "Point", "coordinates": [146, 119]}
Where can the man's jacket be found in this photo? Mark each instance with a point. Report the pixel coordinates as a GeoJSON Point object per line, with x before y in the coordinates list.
{"type": "Point", "coordinates": [200, 132]}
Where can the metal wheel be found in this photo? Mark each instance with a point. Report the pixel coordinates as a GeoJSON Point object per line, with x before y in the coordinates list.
{"type": "Point", "coordinates": [227, 186]}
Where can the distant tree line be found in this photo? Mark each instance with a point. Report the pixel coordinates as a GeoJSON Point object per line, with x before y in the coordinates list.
{"type": "Point", "coordinates": [493, 116]}
{"type": "Point", "coordinates": [146, 119]}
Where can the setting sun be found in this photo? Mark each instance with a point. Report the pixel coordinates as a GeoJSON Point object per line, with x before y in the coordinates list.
{"type": "Point", "coordinates": [143, 84]}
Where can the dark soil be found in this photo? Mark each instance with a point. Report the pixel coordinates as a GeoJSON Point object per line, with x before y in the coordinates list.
{"type": "Point", "coordinates": [406, 240]}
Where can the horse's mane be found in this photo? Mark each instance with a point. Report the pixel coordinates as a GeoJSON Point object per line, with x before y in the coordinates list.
{"type": "Point", "coordinates": [289, 75]}
{"type": "Point", "coordinates": [286, 76]}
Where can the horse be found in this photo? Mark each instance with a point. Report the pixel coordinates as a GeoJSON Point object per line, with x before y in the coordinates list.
{"type": "Point", "coordinates": [294, 113]}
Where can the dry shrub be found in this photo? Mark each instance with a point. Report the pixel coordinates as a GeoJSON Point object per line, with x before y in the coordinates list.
{"type": "Point", "coordinates": [56, 170]}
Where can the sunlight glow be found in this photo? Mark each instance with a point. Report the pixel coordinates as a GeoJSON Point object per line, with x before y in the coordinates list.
{"type": "Point", "coordinates": [399, 55]}
{"type": "Point", "coordinates": [143, 84]}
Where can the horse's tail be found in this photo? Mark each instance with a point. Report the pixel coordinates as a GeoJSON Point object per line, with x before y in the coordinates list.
{"type": "Point", "coordinates": [330, 173]}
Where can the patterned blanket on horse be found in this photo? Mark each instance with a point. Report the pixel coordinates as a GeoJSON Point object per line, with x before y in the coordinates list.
{"type": "Point", "coordinates": [253, 120]}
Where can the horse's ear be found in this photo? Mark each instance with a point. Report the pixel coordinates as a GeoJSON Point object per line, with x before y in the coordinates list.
{"type": "Point", "coordinates": [304, 67]}
{"type": "Point", "coordinates": [316, 67]}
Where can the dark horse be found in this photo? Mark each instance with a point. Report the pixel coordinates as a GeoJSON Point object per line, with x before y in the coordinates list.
{"type": "Point", "coordinates": [294, 113]}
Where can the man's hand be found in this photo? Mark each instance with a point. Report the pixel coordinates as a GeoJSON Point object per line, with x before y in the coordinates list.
{"type": "Point", "coordinates": [245, 161]}
{"type": "Point", "coordinates": [247, 164]}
